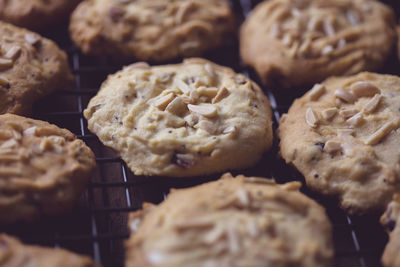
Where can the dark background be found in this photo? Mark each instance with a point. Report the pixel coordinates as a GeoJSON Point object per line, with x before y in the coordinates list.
{"type": "Point", "coordinates": [97, 227]}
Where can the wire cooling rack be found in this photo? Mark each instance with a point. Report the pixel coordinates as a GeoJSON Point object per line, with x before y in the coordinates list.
{"type": "Point", "coordinates": [97, 227]}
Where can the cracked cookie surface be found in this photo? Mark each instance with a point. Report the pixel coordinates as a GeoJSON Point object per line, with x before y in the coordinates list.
{"type": "Point", "coordinates": [300, 42]}
{"type": "Point", "coordinates": [30, 67]}
{"type": "Point", "coordinates": [155, 30]}
{"type": "Point", "coordinates": [35, 14]}
{"type": "Point", "coordinates": [13, 253]}
{"type": "Point", "coordinates": [187, 119]}
{"type": "Point", "coordinates": [43, 169]}
{"type": "Point", "coordinates": [343, 137]}
{"type": "Point", "coordinates": [242, 221]}
{"type": "Point", "coordinates": [391, 221]}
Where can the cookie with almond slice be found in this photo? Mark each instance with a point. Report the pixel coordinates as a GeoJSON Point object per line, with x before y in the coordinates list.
{"type": "Point", "coordinates": [391, 220]}
{"type": "Point", "coordinates": [241, 221]}
{"type": "Point", "coordinates": [292, 43]}
{"type": "Point", "coordinates": [43, 169]}
{"type": "Point", "coordinates": [35, 14]}
{"type": "Point", "coordinates": [151, 30]}
{"type": "Point", "coordinates": [343, 136]}
{"type": "Point", "coordinates": [187, 119]}
{"type": "Point", "coordinates": [31, 67]}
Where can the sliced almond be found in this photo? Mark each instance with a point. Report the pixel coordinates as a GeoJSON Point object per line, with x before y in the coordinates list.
{"type": "Point", "coordinates": [328, 28]}
{"type": "Point", "coordinates": [376, 137]}
{"type": "Point", "coordinates": [9, 144]}
{"type": "Point", "coordinates": [208, 126]}
{"type": "Point", "coordinates": [184, 87]}
{"type": "Point", "coordinates": [356, 119]}
{"type": "Point", "coordinates": [317, 90]}
{"type": "Point", "coordinates": [13, 52]}
{"type": "Point", "coordinates": [5, 63]}
{"type": "Point", "coordinates": [351, 17]}
{"type": "Point", "coordinates": [30, 131]}
{"type": "Point", "coordinates": [163, 101]}
{"type": "Point", "coordinates": [347, 113]}
{"type": "Point", "coordinates": [305, 46]}
{"type": "Point", "coordinates": [243, 196]}
{"type": "Point", "coordinates": [372, 104]}
{"type": "Point", "coordinates": [327, 50]}
{"type": "Point", "coordinates": [4, 81]}
{"type": "Point", "coordinates": [329, 113]}
{"type": "Point", "coordinates": [230, 130]}
{"type": "Point", "coordinates": [209, 69]}
{"type": "Point", "coordinates": [208, 91]}
{"type": "Point", "coordinates": [364, 89]}
{"type": "Point", "coordinates": [287, 40]}
{"type": "Point", "coordinates": [345, 95]}
{"type": "Point", "coordinates": [222, 93]}
{"type": "Point", "coordinates": [32, 38]}
{"type": "Point", "coordinates": [311, 118]}
{"type": "Point", "coordinates": [176, 106]}
{"type": "Point", "coordinates": [332, 146]}
{"type": "Point", "coordinates": [206, 110]}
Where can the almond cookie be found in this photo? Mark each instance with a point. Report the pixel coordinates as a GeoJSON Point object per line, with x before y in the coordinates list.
{"type": "Point", "coordinates": [232, 222]}
{"type": "Point", "coordinates": [13, 253]}
{"type": "Point", "coordinates": [156, 30]}
{"type": "Point", "coordinates": [390, 220]}
{"type": "Point", "coordinates": [343, 137]}
{"type": "Point", "coordinates": [43, 169]}
{"type": "Point", "coordinates": [188, 119]}
{"type": "Point", "coordinates": [301, 42]}
{"type": "Point", "coordinates": [35, 14]}
{"type": "Point", "coordinates": [30, 67]}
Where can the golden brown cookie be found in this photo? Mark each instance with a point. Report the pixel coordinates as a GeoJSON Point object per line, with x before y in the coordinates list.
{"type": "Point", "coordinates": [156, 30]}
{"type": "Point", "coordinates": [13, 253]}
{"type": "Point", "coordinates": [343, 136]}
{"type": "Point", "coordinates": [30, 68]}
{"type": "Point", "coordinates": [232, 222]}
{"type": "Point", "coordinates": [186, 119]}
{"type": "Point", "coordinates": [35, 14]}
{"type": "Point", "coordinates": [300, 42]}
{"type": "Point", "coordinates": [43, 169]}
{"type": "Point", "coordinates": [391, 220]}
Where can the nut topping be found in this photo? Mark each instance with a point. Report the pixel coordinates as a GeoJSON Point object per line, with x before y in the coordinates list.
{"type": "Point", "coordinates": [332, 146]}
{"type": "Point", "coordinates": [311, 118]}
{"type": "Point", "coordinates": [347, 113]}
{"type": "Point", "coordinates": [183, 86]}
{"type": "Point", "coordinates": [13, 52]}
{"type": "Point", "coordinates": [376, 137]}
{"type": "Point", "coordinates": [163, 101]}
{"type": "Point", "coordinates": [4, 81]}
{"type": "Point", "coordinates": [327, 50]}
{"type": "Point", "coordinates": [355, 120]}
{"type": "Point", "coordinates": [373, 104]}
{"type": "Point", "coordinates": [222, 93]}
{"type": "Point", "coordinates": [364, 89]}
{"type": "Point", "coordinates": [32, 38]}
{"type": "Point", "coordinates": [345, 95]}
{"type": "Point", "coordinates": [176, 105]}
{"type": "Point", "coordinates": [317, 90]}
{"type": "Point", "coordinates": [5, 63]}
{"type": "Point", "coordinates": [206, 110]}
{"type": "Point", "coordinates": [329, 113]}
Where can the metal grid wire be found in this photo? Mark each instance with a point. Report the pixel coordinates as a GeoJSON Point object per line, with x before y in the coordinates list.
{"type": "Point", "coordinates": [97, 227]}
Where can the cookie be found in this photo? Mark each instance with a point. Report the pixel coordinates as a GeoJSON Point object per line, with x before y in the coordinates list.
{"type": "Point", "coordinates": [43, 169]}
{"type": "Point", "coordinates": [231, 222]}
{"type": "Point", "coordinates": [155, 30]}
{"type": "Point", "coordinates": [187, 119]}
{"type": "Point", "coordinates": [390, 220]}
{"type": "Point", "coordinates": [294, 43]}
{"type": "Point", "coordinates": [343, 137]}
{"type": "Point", "coordinates": [30, 68]}
{"type": "Point", "coordinates": [35, 14]}
{"type": "Point", "coordinates": [13, 253]}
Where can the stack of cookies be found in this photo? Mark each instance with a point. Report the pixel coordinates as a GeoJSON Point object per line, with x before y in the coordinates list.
{"type": "Point", "coordinates": [198, 118]}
